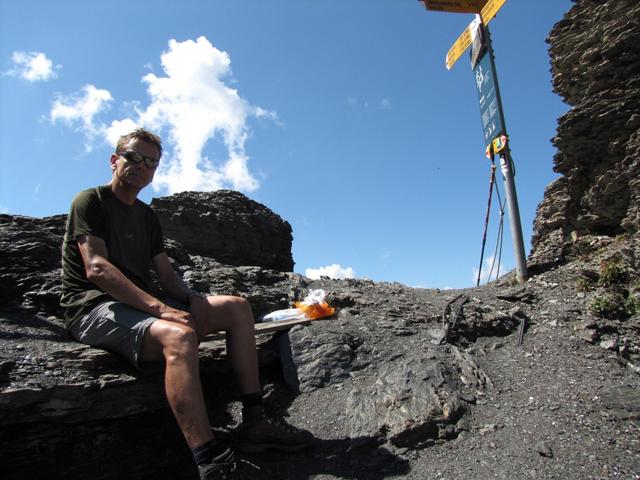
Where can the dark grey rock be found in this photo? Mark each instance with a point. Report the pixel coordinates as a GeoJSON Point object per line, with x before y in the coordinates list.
{"type": "Point", "coordinates": [544, 449]}
{"type": "Point", "coordinates": [227, 226]}
{"type": "Point", "coordinates": [323, 357]}
{"type": "Point", "coordinates": [596, 69]}
{"type": "Point", "coordinates": [416, 400]}
{"type": "Point", "coordinates": [621, 401]}
{"type": "Point", "coordinates": [30, 253]}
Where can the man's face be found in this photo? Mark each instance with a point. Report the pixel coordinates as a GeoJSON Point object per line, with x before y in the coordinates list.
{"type": "Point", "coordinates": [131, 173]}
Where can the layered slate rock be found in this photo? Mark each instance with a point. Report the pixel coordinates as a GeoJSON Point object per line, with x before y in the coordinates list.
{"type": "Point", "coordinates": [77, 412]}
{"type": "Point", "coordinates": [30, 253]}
{"type": "Point", "coordinates": [595, 58]}
{"type": "Point", "coordinates": [325, 357]}
{"type": "Point", "coordinates": [404, 382]}
{"type": "Point", "coordinates": [227, 226]}
{"type": "Point", "coordinates": [417, 400]}
{"type": "Point", "coordinates": [61, 400]}
{"type": "Point", "coordinates": [590, 216]}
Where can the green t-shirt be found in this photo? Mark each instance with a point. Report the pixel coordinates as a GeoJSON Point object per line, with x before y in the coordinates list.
{"type": "Point", "coordinates": [133, 237]}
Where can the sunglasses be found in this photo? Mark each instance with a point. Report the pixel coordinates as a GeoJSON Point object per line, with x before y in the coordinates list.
{"type": "Point", "coordinates": [135, 158]}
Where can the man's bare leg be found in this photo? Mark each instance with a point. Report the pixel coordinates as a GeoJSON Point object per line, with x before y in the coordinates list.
{"type": "Point", "coordinates": [233, 315]}
{"type": "Point", "coordinates": [178, 345]}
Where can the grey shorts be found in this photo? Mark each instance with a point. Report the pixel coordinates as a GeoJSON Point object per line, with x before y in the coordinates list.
{"type": "Point", "coordinates": [117, 327]}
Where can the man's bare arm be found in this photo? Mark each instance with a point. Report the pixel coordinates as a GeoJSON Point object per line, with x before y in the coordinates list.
{"type": "Point", "coordinates": [175, 287]}
{"type": "Point", "coordinates": [169, 280]}
{"type": "Point", "coordinates": [111, 280]}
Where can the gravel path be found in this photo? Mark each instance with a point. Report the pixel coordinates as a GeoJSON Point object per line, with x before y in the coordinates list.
{"type": "Point", "coordinates": [559, 408]}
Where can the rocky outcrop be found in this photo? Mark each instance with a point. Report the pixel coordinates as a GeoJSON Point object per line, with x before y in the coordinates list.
{"type": "Point", "coordinates": [590, 216]}
{"type": "Point", "coordinates": [224, 227]}
{"type": "Point", "coordinates": [595, 58]}
{"type": "Point", "coordinates": [417, 400]}
{"type": "Point", "coordinates": [228, 227]}
{"type": "Point", "coordinates": [30, 253]}
{"type": "Point", "coordinates": [387, 353]}
{"type": "Point", "coordinates": [58, 398]}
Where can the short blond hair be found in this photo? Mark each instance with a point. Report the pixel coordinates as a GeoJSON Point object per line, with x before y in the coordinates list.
{"type": "Point", "coordinates": [139, 134]}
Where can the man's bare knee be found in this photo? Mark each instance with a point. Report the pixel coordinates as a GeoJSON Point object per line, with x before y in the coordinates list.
{"type": "Point", "coordinates": [179, 342]}
{"type": "Point", "coordinates": [224, 312]}
{"type": "Point", "coordinates": [231, 306]}
{"type": "Point", "coordinates": [241, 310]}
{"type": "Point", "coordinates": [239, 303]}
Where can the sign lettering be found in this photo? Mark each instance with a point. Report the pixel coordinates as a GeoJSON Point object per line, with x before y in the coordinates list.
{"type": "Point", "coordinates": [462, 43]}
{"type": "Point", "coordinates": [490, 109]}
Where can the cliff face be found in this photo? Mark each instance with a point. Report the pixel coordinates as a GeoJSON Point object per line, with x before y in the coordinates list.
{"type": "Point", "coordinates": [595, 58]}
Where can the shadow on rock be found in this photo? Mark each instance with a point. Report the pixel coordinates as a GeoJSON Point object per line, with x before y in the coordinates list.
{"type": "Point", "coordinates": [19, 323]}
{"type": "Point", "coordinates": [361, 458]}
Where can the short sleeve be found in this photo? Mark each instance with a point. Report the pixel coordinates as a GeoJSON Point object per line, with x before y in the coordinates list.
{"type": "Point", "coordinates": [86, 217]}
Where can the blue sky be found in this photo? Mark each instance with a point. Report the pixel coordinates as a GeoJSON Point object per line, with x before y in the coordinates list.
{"type": "Point", "coordinates": [339, 115]}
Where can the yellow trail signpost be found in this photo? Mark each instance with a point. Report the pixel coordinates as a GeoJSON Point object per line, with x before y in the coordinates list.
{"type": "Point", "coordinates": [490, 9]}
{"type": "Point", "coordinates": [457, 6]}
{"type": "Point", "coordinates": [463, 42]}
{"type": "Point", "coordinates": [495, 132]}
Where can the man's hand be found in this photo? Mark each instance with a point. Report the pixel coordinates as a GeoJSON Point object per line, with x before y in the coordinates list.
{"type": "Point", "coordinates": [110, 279]}
{"type": "Point", "coordinates": [174, 315]}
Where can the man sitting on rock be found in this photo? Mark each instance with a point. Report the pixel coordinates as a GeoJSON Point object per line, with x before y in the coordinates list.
{"type": "Point", "coordinates": [111, 240]}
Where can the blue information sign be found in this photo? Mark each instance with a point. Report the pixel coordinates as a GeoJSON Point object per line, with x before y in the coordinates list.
{"type": "Point", "coordinates": [490, 107]}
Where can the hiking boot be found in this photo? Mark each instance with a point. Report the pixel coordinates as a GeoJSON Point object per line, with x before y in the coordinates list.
{"type": "Point", "coordinates": [269, 434]}
{"type": "Point", "coordinates": [219, 468]}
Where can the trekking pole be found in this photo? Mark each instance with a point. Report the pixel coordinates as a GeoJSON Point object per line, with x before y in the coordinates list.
{"type": "Point", "coordinates": [486, 220]}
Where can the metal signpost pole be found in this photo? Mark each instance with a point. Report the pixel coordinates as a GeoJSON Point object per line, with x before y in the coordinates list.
{"type": "Point", "coordinates": [506, 166]}
{"type": "Point", "coordinates": [495, 132]}
{"type": "Point", "coordinates": [494, 126]}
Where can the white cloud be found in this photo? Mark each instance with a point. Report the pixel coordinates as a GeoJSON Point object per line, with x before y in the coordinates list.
{"type": "Point", "coordinates": [4, 209]}
{"type": "Point", "coordinates": [331, 271]}
{"type": "Point", "coordinates": [32, 66]}
{"type": "Point", "coordinates": [488, 271]}
{"type": "Point", "coordinates": [195, 103]}
{"type": "Point", "coordinates": [79, 111]}
{"type": "Point", "coordinates": [119, 128]}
